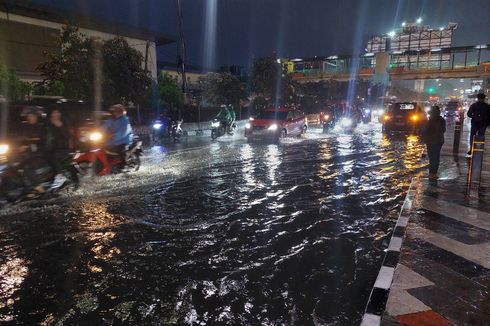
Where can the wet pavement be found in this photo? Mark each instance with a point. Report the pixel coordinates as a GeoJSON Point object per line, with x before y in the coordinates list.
{"type": "Point", "coordinates": [213, 233]}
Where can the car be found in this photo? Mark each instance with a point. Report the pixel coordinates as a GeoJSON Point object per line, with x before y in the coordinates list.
{"type": "Point", "coordinates": [454, 109]}
{"type": "Point", "coordinates": [404, 116]}
{"type": "Point", "coordinates": [273, 124]}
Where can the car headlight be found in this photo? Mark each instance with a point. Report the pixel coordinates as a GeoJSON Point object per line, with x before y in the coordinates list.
{"type": "Point", "coordinates": [4, 149]}
{"type": "Point", "coordinates": [215, 124]}
{"type": "Point", "coordinates": [251, 119]}
{"type": "Point", "coordinates": [95, 136]}
{"type": "Point", "coordinates": [157, 126]}
{"type": "Point", "coordinates": [248, 125]}
{"type": "Point", "coordinates": [272, 127]}
{"type": "Point", "coordinates": [346, 122]}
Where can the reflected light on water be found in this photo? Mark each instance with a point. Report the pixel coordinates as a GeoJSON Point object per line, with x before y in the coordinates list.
{"type": "Point", "coordinates": [12, 273]}
{"type": "Point", "coordinates": [273, 161]}
{"type": "Point", "coordinates": [248, 168]}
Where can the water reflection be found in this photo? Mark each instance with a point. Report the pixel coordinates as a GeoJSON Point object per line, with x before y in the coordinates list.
{"type": "Point", "coordinates": [244, 234]}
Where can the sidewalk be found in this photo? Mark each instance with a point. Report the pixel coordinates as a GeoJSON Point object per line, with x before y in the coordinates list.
{"type": "Point", "coordinates": [437, 267]}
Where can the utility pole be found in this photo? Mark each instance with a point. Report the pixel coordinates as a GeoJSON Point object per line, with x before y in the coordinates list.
{"type": "Point", "coordinates": [181, 61]}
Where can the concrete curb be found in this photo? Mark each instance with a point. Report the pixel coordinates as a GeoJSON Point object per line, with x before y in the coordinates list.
{"type": "Point", "coordinates": [379, 294]}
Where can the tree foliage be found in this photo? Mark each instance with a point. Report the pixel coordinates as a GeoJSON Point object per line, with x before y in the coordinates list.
{"type": "Point", "coordinates": [222, 88]}
{"type": "Point", "coordinates": [124, 79]}
{"type": "Point", "coordinates": [71, 70]}
{"type": "Point", "coordinates": [11, 87]}
{"type": "Point", "coordinates": [71, 67]}
{"type": "Point", "coordinates": [271, 83]}
{"type": "Point", "coordinates": [170, 93]}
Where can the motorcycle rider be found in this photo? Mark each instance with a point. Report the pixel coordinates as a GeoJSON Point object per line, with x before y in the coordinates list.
{"type": "Point", "coordinates": [34, 150]}
{"type": "Point", "coordinates": [224, 116]}
{"type": "Point", "coordinates": [59, 144]}
{"type": "Point", "coordinates": [231, 110]}
{"type": "Point", "coordinates": [119, 131]}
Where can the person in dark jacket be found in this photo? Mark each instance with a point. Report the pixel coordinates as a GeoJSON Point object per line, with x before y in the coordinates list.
{"type": "Point", "coordinates": [479, 113]}
{"type": "Point", "coordinates": [59, 143]}
{"type": "Point", "coordinates": [433, 136]}
{"type": "Point", "coordinates": [34, 150]}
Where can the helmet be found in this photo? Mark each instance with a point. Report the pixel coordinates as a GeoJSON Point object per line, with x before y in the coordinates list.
{"type": "Point", "coordinates": [118, 109]}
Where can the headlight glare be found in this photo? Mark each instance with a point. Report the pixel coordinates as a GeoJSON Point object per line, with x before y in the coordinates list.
{"type": "Point", "coordinates": [4, 148]}
{"type": "Point", "coordinates": [272, 127]}
{"type": "Point", "coordinates": [95, 136]}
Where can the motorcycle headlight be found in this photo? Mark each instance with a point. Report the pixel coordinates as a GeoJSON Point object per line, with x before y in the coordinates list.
{"type": "Point", "coordinates": [215, 124]}
{"type": "Point", "coordinates": [248, 126]}
{"type": "Point", "coordinates": [346, 122]}
{"type": "Point", "coordinates": [157, 126]}
{"type": "Point", "coordinates": [272, 127]}
{"type": "Point", "coordinates": [4, 149]}
{"type": "Point", "coordinates": [95, 136]}
{"type": "Point", "coordinates": [326, 116]}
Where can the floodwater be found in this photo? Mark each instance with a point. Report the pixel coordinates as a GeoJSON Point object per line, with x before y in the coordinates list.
{"type": "Point", "coordinates": [213, 233]}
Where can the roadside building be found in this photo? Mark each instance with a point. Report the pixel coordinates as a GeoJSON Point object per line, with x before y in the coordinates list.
{"type": "Point", "coordinates": [29, 30]}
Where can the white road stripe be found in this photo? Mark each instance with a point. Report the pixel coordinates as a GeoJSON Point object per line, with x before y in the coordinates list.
{"type": "Point", "coordinates": [457, 212]}
{"type": "Point", "coordinates": [385, 277]}
{"type": "Point", "coordinates": [371, 320]}
{"type": "Point", "coordinates": [479, 254]}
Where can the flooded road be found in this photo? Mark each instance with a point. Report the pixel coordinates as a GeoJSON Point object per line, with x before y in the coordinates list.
{"type": "Point", "coordinates": [213, 233]}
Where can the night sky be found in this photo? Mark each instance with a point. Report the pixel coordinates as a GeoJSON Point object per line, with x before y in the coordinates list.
{"type": "Point", "coordinates": [292, 28]}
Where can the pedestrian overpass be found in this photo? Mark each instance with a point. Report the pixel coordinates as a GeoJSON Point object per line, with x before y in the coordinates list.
{"type": "Point", "coordinates": [443, 63]}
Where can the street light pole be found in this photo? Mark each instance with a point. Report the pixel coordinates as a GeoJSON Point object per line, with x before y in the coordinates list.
{"type": "Point", "coordinates": [182, 47]}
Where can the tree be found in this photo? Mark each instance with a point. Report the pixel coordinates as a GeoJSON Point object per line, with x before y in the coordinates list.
{"type": "Point", "coordinates": [170, 93]}
{"type": "Point", "coordinates": [270, 82]}
{"type": "Point", "coordinates": [71, 67]}
{"type": "Point", "coordinates": [71, 70]}
{"type": "Point", "coordinates": [124, 78]}
{"type": "Point", "coordinates": [222, 88]}
{"type": "Point", "coordinates": [11, 87]}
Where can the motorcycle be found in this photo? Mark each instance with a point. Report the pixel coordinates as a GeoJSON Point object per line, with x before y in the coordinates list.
{"type": "Point", "coordinates": [176, 130]}
{"type": "Point", "coordinates": [366, 115]}
{"type": "Point", "coordinates": [218, 129]}
{"type": "Point", "coordinates": [327, 121]}
{"type": "Point", "coordinates": [21, 172]}
{"type": "Point", "coordinates": [102, 161]}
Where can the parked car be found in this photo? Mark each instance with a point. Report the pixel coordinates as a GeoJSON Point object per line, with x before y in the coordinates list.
{"type": "Point", "coordinates": [273, 124]}
{"type": "Point", "coordinates": [404, 116]}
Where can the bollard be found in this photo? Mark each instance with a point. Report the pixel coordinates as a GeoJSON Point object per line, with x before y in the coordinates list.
{"type": "Point", "coordinates": [457, 136]}
{"type": "Point", "coordinates": [474, 174]}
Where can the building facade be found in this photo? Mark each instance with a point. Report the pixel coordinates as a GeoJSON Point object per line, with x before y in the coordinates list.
{"type": "Point", "coordinates": [27, 32]}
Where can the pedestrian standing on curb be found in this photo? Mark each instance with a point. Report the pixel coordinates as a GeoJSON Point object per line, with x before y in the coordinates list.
{"type": "Point", "coordinates": [433, 137]}
{"type": "Point", "coordinates": [479, 113]}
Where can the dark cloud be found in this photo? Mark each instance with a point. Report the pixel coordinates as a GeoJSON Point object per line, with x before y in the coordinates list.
{"type": "Point", "coordinates": [293, 28]}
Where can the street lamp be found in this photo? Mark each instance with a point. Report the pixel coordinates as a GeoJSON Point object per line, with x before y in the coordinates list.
{"type": "Point", "coordinates": [419, 20]}
{"type": "Point", "coordinates": [391, 34]}
{"type": "Point", "coordinates": [403, 24]}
